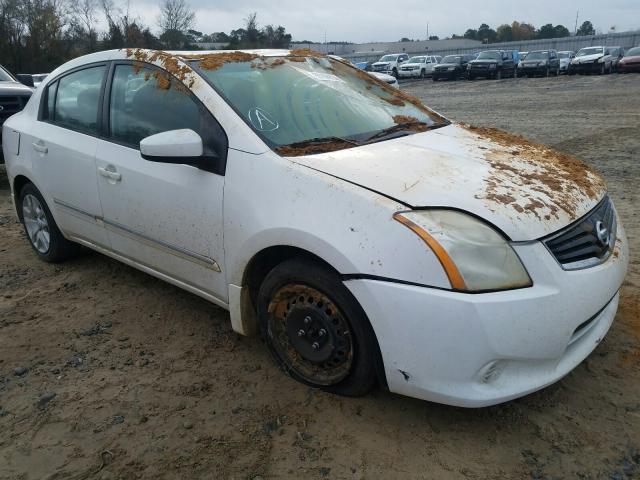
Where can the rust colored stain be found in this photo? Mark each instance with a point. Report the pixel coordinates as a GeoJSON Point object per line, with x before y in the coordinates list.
{"type": "Point", "coordinates": [305, 52]}
{"type": "Point", "coordinates": [169, 62]}
{"type": "Point", "coordinates": [214, 61]}
{"type": "Point", "coordinates": [562, 180]}
{"type": "Point", "coordinates": [302, 148]}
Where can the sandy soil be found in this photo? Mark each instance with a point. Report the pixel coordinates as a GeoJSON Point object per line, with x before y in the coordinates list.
{"type": "Point", "coordinates": [128, 377]}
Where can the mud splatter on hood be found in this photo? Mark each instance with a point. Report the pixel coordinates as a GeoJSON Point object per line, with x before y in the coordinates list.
{"type": "Point", "coordinates": [525, 189]}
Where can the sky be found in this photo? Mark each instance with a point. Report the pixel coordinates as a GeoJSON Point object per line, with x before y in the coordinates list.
{"type": "Point", "coordinates": [361, 21]}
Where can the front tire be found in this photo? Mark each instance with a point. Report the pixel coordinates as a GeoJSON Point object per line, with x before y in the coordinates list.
{"type": "Point", "coordinates": [394, 72]}
{"type": "Point", "coordinates": [316, 330]}
{"type": "Point", "coordinates": [44, 235]}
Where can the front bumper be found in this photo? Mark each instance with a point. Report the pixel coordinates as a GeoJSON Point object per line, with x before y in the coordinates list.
{"type": "Point", "coordinates": [586, 67]}
{"type": "Point", "coordinates": [475, 350]}
{"type": "Point", "coordinates": [629, 67]}
{"type": "Point", "coordinates": [408, 73]}
{"type": "Point", "coordinates": [447, 73]}
{"type": "Point", "coordinates": [532, 70]}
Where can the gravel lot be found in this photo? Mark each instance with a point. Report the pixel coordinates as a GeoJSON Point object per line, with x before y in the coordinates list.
{"type": "Point", "coordinates": [128, 377]}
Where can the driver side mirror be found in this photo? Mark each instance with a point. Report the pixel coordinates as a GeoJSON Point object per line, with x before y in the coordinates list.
{"type": "Point", "coordinates": [176, 146]}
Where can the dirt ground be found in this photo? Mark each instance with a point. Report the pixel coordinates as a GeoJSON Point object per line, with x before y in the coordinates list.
{"type": "Point", "coordinates": [129, 377]}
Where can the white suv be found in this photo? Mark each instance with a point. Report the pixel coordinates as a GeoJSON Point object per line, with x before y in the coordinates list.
{"type": "Point", "coordinates": [364, 236]}
{"type": "Point", "coordinates": [420, 66]}
{"type": "Point", "coordinates": [390, 64]}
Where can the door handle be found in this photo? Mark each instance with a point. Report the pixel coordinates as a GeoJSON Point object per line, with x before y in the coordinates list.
{"type": "Point", "coordinates": [40, 147]}
{"type": "Point", "coordinates": [110, 174]}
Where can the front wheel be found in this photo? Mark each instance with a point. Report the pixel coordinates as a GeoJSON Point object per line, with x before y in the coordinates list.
{"type": "Point", "coordinates": [316, 330]}
{"type": "Point", "coordinates": [422, 74]}
{"type": "Point", "coordinates": [498, 75]}
{"type": "Point", "coordinates": [394, 72]}
{"type": "Point", "coordinates": [41, 229]}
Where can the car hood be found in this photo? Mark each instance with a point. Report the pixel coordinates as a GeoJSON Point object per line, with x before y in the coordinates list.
{"type": "Point", "coordinates": [526, 190]}
{"type": "Point", "coordinates": [447, 65]}
{"type": "Point", "coordinates": [634, 58]}
{"type": "Point", "coordinates": [413, 64]}
{"type": "Point", "coordinates": [15, 88]}
{"type": "Point", "coordinates": [588, 58]}
{"type": "Point", "coordinates": [534, 62]}
{"type": "Point", "coordinates": [381, 63]}
{"type": "Point", "coordinates": [482, 62]}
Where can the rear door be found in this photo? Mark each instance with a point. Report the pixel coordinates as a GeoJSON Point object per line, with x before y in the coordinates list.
{"type": "Point", "coordinates": [167, 217]}
{"type": "Point", "coordinates": [63, 144]}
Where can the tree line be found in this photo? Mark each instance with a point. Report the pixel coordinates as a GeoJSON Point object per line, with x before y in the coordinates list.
{"type": "Point", "coordinates": [523, 31]}
{"type": "Point", "coordinates": [36, 36]}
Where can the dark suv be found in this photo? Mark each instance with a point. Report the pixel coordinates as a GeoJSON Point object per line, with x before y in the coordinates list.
{"type": "Point", "coordinates": [492, 64]}
{"type": "Point", "coordinates": [540, 62]}
{"type": "Point", "coordinates": [13, 98]}
{"type": "Point", "coordinates": [451, 67]}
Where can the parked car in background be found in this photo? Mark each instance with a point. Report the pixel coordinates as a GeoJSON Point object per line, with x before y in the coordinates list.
{"type": "Point", "coordinates": [13, 98]}
{"type": "Point", "coordinates": [418, 67]}
{"type": "Point", "coordinates": [390, 64]}
{"type": "Point", "coordinates": [630, 62]}
{"type": "Point", "coordinates": [617, 53]}
{"type": "Point", "coordinates": [492, 64]}
{"type": "Point", "coordinates": [396, 247]}
{"type": "Point", "coordinates": [390, 79]}
{"type": "Point", "coordinates": [540, 62]}
{"type": "Point", "coordinates": [38, 78]}
{"type": "Point", "coordinates": [565, 59]}
{"type": "Point", "coordinates": [366, 66]}
{"type": "Point", "coordinates": [591, 60]}
{"type": "Point", "coordinates": [452, 67]}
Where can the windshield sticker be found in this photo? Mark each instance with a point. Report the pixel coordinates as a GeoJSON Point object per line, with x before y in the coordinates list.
{"type": "Point", "coordinates": [262, 120]}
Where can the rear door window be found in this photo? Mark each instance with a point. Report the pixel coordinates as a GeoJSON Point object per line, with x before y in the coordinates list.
{"type": "Point", "coordinates": [76, 103]}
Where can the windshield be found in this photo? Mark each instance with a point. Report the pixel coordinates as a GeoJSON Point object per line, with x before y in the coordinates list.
{"type": "Point", "coordinates": [590, 51]}
{"type": "Point", "coordinates": [451, 59]}
{"type": "Point", "coordinates": [389, 58]}
{"type": "Point", "coordinates": [417, 60]}
{"type": "Point", "coordinates": [491, 55]}
{"type": "Point", "coordinates": [538, 56]}
{"type": "Point", "coordinates": [5, 76]}
{"type": "Point", "coordinates": [293, 99]}
{"type": "Point", "coordinates": [564, 54]}
{"type": "Point", "coordinates": [633, 52]}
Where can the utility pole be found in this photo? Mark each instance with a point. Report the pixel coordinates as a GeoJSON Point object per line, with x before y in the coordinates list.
{"type": "Point", "coordinates": [575, 30]}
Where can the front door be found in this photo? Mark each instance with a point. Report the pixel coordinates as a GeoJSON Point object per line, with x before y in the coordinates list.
{"type": "Point", "coordinates": [166, 217]}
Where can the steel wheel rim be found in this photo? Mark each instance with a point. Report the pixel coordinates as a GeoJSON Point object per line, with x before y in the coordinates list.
{"type": "Point", "coordinates": [36, 224]}
{"type": "Point", "coordinates": [301, 316]}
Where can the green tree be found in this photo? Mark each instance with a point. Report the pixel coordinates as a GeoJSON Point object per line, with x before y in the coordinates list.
{"type": "Point", "coordinates": [504, 33]}
{"type": "Point", "coordinates": [486, 34]}
{"type": "Point", "coordinates": [586, 29]}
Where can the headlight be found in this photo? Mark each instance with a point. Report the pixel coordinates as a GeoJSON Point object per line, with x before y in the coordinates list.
{"type": "Point", "coordinates": [451, 69]}
{"type": "Point", "coordinates": [474, 256]}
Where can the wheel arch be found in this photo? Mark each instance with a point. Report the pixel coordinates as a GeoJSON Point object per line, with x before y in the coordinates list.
{"type": "Point", "coordinates": [18, 184]}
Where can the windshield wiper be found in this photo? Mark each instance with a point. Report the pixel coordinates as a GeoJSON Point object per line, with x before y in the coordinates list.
{"type": "Point", "coordinates": [405, 128]}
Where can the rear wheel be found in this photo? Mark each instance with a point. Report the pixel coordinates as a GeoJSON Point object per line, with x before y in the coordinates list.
{"type": "Point", "coordinates": [316, 330]}
{"type": "Point", "coordinates": [41, 229]}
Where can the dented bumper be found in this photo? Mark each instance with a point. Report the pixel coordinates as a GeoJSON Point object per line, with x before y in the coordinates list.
{"type": "Point", "coordinates": [475, 350]}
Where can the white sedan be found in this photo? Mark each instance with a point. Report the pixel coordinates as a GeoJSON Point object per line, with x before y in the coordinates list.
{"type": "Point", "coordinates": [365, 237]}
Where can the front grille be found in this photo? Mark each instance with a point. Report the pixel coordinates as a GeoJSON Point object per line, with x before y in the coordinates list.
{"type": "Point", "coordinates": [587, 242]}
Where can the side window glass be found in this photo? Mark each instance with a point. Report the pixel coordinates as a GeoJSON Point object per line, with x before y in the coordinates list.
{"type": "Point", "coordinates": [147, 101]}
{"type": "Point", "coordinates": [77, 100]}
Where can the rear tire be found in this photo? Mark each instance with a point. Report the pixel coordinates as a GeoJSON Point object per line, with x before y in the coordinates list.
{"type": "Point", "coordinates": [42, 232]}
{"type": "Point", "coordinates": [316, 330]}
